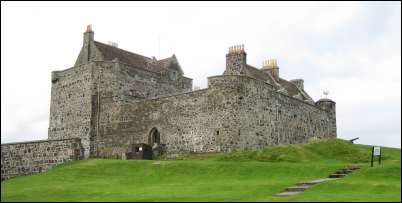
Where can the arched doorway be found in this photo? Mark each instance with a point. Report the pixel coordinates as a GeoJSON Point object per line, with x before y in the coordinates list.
{"type": "Point", "coordinates": [154, 137]}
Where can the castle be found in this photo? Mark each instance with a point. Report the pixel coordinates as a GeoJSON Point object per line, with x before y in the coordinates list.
{"type": "Point", "coordinates": [111, 99]}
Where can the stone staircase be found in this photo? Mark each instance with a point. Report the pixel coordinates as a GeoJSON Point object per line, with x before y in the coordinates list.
{"type": "Point", "coordinates": [301, 186]}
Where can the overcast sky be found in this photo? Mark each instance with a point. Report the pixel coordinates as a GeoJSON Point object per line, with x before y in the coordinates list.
{"type": "Point", "coordinates": [352, 49]}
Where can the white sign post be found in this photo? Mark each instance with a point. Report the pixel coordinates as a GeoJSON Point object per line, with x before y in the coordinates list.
{"type": "Point", "coordinates": [376, 152]}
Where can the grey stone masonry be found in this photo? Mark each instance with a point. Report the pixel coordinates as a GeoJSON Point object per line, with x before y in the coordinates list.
{"type": "Point", "coordinates": [234, 112]}
{"type": "Point", "coordinates": [25, 158]}
{"type": "Point", "coordinates": [112, 99]}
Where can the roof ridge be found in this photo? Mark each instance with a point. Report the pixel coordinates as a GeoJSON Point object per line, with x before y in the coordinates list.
{"type": "Point", "coordinates": [171, 57]}
{"type": "Point", "coordinates": [122, 50]}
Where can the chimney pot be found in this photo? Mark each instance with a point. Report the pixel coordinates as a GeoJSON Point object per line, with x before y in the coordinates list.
{"type": "Point", "coordinates": [89, 28]}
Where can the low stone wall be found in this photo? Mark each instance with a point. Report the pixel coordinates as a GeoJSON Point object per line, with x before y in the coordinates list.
{"type": "Point", "coordinates": [25, 158]}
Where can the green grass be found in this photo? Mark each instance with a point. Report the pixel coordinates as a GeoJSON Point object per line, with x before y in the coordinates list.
{"type": "Point", "coordinates": [251, 175]}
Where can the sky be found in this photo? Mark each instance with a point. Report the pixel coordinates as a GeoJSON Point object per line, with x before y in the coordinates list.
{"type": "Point", "coordinates": [351, 49]}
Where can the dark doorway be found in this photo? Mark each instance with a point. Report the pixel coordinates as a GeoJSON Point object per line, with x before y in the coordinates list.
{"type": "Point", "coordinates": [154, 137]}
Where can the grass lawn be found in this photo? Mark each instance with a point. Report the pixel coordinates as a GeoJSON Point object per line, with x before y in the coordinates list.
{"type": "Point", "coordinates": [237, 176]}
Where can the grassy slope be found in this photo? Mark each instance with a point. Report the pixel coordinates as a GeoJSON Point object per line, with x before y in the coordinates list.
{"type": "Point", "coordinates": [236, 176]}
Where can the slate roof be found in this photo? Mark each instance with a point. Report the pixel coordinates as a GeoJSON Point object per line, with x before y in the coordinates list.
{"type": "Point", "coordinates": [110, 53]}
{"type": "Point", "coordinates": [257, 74]}
{"type": "Point", "coordinates": [169, 63]}
{"type": "Point", "coordinates": [261, 75]}
{"type": "Point", "coordinates": [291, 89]}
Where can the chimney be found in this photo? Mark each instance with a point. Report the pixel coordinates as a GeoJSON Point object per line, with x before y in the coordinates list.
{"type": "Point", "coordinates": [271, 66]}
{"type": "Point", "coordinates": [88, 35]}
{"type": "Point", "coordinates": [88, 47]}
{"type": "Point", "coordinates": [88, 41]}
{"type": "Point", "coordinates": [236, 61]}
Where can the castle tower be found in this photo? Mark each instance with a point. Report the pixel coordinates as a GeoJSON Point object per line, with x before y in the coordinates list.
{"type": "Point", "coordinates": [236, 61]}
{"type": "Point", "coordinates": [71, 103]}
{"type": "Point", "coordinates": [271, 66]}
{"type": "Point", "coordinates": [329, 106]}
{"type": "Point", "coordinates": [326, 104]}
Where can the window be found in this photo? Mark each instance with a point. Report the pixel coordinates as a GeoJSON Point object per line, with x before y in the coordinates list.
{"type": "Point", "coordinates": [173, 75]}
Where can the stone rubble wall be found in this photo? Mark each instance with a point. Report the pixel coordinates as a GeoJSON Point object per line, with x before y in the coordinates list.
{"type": "Point", "coordinates": [26, 158]}
{"type": "Point", "coordinates": [184, 121]}
{"type": "Point", "coordinates": [233, 112]}
{"type": "Point", "coordinates": [122, 84]}
{"type": "Point", "coordinates": [71, 105]}
{"type": "Point", "coordinates": [270, 118]}
{"type": "Point", "coordinates": [74, 97]}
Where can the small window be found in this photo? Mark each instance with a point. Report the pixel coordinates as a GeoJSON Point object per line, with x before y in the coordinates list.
{"type": "Point", "coordinates": [217, 132]}
{"type": "Point", "coordinates": [173, 75]}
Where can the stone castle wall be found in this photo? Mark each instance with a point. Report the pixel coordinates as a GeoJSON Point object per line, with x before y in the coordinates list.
{"type": "Point", "coordinates": [74, 99]}
{"type": "Point", "coordinates": [266, 118]}
{"type": "Point", "coordinates": [71, 105]}
{"type": "Point", "coordinates": [234, 112]}
{"type": "Point", "coordinates": [122, 84]}
{"type": "Point", "coordinates": [25, 158]}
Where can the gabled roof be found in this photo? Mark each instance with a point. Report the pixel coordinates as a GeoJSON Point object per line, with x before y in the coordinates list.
{"type": "Point", "coordinates": [170, 63]}
{"type": "Point", "coordinates": [110, 53]}
{"type": "Point", "coordinates": [290, 87]}
{"type": "Point", "coordinates": [261, 75]}
{"type": "Point", "coordinates": [281, 84]}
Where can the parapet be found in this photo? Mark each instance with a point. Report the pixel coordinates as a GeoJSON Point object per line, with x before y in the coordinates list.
{"type": "Point", "coordinates": [55, 76]}
{"type": "Point", "coordinates": [326, 104]}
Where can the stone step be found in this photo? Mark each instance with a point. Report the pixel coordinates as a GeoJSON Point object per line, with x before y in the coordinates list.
{"type": "Point", "coordinates": [353, 167]}
{"type": "Point", "coordinates": [305, 184]}
{"type": "Point", "coordinates": [299, 188]}
{"type": "Point", "coordinates": [344, 171]}
{"type": "Point", "coordinates": [313, 182]}
{"type": "Point", "coordinates": [335, 175]}
{"type": "Point", "coordinates": [287, 193]}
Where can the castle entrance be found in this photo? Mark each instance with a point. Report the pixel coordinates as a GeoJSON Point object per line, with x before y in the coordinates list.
{"type": "Point", "coordinates": [154, 141]}
{"type": "Point", "coordinates": [154, 137]}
